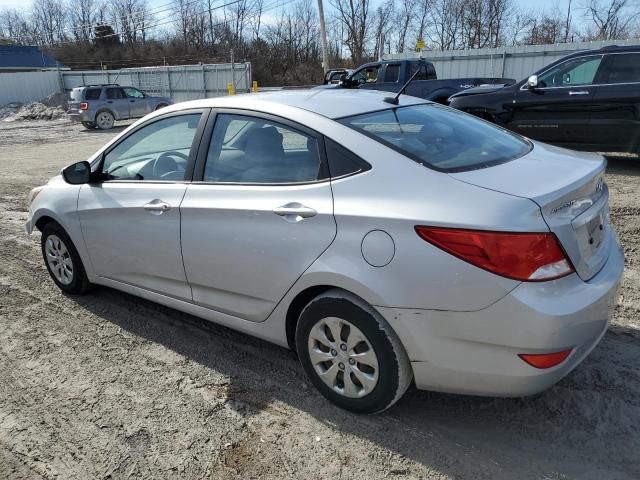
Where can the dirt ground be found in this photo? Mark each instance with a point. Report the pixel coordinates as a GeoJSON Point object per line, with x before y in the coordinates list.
{"type": "Point", "coordinates": [111, 386]}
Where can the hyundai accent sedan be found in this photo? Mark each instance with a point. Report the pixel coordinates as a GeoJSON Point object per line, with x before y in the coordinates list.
{"type": "Point", "coordinates": [384, 243]}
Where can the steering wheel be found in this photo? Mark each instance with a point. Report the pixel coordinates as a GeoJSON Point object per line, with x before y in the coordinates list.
{"type": "Point", "coordinates": [166, 164]}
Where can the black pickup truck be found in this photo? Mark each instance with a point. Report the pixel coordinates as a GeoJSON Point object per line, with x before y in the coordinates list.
{"type": "Point", "coordinates": [390, 75]}
{"type": "Point", "coordinates": [588, 100]}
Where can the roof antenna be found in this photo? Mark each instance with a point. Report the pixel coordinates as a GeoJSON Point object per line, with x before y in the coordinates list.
{"type": "Point", "coordinates": [394, 100]}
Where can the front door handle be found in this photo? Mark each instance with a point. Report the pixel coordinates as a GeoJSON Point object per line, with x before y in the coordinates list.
{"type": "Point", "coordinates": [157, 207]}
{"type": "Point", "coordinates": [294, 212]}
{"type": "Point", "coordinates": [579, 92]}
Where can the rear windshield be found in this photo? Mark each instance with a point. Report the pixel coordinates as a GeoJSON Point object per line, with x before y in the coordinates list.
{"type": "Point", "coordinates": [76, 94]}
{"type": "Point", "coordinates": [439, 137]}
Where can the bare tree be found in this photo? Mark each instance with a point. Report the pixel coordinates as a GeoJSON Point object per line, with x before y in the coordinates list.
{"type": "Point", "coordinates": [16, 26]}
{"type": "Point", "coordinates": [611, 18]}
{"type": "Point", "coordinates": [447, 18]}
{"type": "Point", "coordinates": [354, 16]}
{"type": "Point", "coordinates": [382, 24]}
{"type": "Point", "coordinates": [49, 21]}
{"type": "Point", "coordinates": [403, 20]}
{"type": "Point", "coordinates": [83, 16]}
{"type": "Point", "coordinates": [131, 19]}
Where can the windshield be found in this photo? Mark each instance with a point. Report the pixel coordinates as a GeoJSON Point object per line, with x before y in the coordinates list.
{"type": "Point", "coordinates": [440, 137]}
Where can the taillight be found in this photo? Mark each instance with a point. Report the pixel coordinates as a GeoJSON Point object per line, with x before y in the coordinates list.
{"type": "Point", "coordinates": [84, 105]}
{"type": "Point", "coordinates": [545, 360]}
{"type": "Point", "coordinates": [529, 257]}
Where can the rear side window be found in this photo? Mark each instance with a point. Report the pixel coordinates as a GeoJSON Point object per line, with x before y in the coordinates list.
{"type": "Point", "coordinates": [342, 162]}
{"type": "Point", "coordinates": [114, 93]}
{"type": "Point", "coordinates": [92, 93]}
{"type": "Point", "coordinates": [427, 71]}
{"type": "Point", "coordinates": [439, 137]}
{"type": "Point", "coordinates": [255, 150]}
{"type": "Point", "coordinates": [621, 68]}
{"type": "Point", "coordinates": [392, 73]}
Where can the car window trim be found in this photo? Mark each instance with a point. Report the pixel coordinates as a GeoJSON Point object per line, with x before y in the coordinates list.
{"type": "Point", "coordinates": [207, 137]}
{"type": "Point", "coordinates": [195, 145]}
{"type": "Point", "coordinates": [524, 86]}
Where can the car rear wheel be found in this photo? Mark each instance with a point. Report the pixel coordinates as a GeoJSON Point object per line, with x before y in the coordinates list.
{"type": "Point", "coordinates": [104, 120]}
{"type": "Point", "coordinates": [351, 354]}
{"type": "Point", "coordinates": [62, 260]}
{"type": "Point", "coordinates": [89, 125]}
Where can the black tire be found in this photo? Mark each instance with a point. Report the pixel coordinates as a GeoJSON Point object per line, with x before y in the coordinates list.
{"type": "Point", "coordinates": [79, 283]}
{"type": "Point", "coordinates": [89, 125]}
{"type": "Point", "coordinates": [394, 369]}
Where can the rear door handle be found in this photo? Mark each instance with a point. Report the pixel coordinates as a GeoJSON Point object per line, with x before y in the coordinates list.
{"type": "Point", "coordinates": [294, 212]}
{"type": "Point", "coordinates": [579, 92]}
{"type": "Point", "coordinates": [157, 207]}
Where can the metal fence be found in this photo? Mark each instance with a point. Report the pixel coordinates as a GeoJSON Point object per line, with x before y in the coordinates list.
{"type": "Point", "coordinates": [181, 83]}
{"type": "Point", "coordinates": [28, 86]}
{"type": "Point", "coordinates": [508, 62]}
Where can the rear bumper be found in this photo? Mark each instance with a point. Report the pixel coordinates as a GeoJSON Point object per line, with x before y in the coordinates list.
{"type": "Point", "coordinates": [477, 352]}
{"type": "Point", "coordinates": [79, 117]}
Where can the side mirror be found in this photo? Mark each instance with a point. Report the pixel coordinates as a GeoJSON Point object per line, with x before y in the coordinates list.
{"type": "Point", "coordinates": [532, 82]}
{"type": "Point", "coordinates": [78, 173]}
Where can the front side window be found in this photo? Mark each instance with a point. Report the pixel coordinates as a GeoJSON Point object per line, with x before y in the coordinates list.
{"type": "Point", "coordinates": [248, 149]}
{"type": "Point", "coordinates": [158, 151]}
{"type": "Point", "coordinates": [133, 93]}
{"type": "Point", "coordinates": [440, 137]}
{"type": "Point", "coordinates": [574, 72]}
{"type": "Point", "coordinates": [620, 68]}
{"type": "Point", "coordinates": [366, 75]}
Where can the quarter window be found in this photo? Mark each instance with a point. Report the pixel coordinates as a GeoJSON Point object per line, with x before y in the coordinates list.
{"type": "Point", "coordinates": [621, 68]}
{"type": "Point", "coordinates": [246, 149]}
{"type": "Point", "coordinates": [577, 71]}
{"type": "Point", "coordinates": [158, 151]}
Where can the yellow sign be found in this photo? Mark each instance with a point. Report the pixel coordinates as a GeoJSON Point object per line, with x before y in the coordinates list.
{"type": "Point", "coordinates": [420, 44]}
{"type": "Point", "coordinates": [254, 86]}
{"type": "Point", "coordinates": [232, 90]}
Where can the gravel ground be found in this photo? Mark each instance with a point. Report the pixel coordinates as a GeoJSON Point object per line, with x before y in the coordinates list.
{"type": "Point", "coordinates": [111, 386]}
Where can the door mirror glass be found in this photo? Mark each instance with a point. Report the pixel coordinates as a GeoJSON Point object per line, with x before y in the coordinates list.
{"type": "Point", "coordinates": [78, 173]}
{"type": "Point", "coordinates": [532, 82]}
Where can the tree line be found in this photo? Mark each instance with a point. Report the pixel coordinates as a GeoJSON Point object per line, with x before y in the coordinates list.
{"type": "Point", "coordinates": [281, 37]}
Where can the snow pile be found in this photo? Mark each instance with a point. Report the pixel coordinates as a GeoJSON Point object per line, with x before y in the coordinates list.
{"type": "Point", "coordinates": [9, 110]}
{"type": "Point", "coordinates": [49, 108]}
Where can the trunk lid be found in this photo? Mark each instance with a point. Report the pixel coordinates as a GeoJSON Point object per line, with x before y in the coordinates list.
{"type": "Point", "coordinates": [569, 188]}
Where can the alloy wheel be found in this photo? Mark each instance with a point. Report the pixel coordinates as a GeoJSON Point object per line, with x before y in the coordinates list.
{"type": "Point", "coordinates": [343, 357]}
{"type": "Point", "coordinates": [59, 259]}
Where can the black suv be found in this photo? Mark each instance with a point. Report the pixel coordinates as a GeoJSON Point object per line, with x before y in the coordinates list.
{"type": "Point", "coordinates": [586, 101]}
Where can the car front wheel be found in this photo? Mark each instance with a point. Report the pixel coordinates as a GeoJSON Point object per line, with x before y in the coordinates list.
{"type": "Point", "coordinates": [351, 354]}
{"type": "Point", "coordinates": [62, 260]}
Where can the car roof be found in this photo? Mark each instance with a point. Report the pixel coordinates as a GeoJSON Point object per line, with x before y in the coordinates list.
{"type": "Point", "coordinates": [328, 102]}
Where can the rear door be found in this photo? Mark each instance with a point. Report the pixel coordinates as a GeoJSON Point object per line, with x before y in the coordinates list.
{"type": "Point", "coordinates": [617, 115]}
{"type": "Point", "coordinates": [259, 216]}
{"type": "Point", "coordinates": [139, 106]}
{"type": "Point", "coordinates": [559, 110]}
{"type": "Point", "coordinates": [117, 102]}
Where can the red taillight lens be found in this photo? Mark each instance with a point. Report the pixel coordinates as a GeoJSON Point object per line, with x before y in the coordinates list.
{"type": "Point", "coordinates": [545, 360]}
{"type": "Point", "coordinates": [531, 257]}
{"type": "Point", "coordinates": [84, 105]}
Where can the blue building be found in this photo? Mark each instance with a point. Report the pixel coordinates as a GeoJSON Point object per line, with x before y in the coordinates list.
{"type": "Point", "coordinates": [20, 58]}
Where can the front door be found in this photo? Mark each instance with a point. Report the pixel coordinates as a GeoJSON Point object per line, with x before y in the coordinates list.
{"type": "Point", "coordinates": [138, 104]}
{"type": "Point", "coordinates": [260, 216]}
{"type": "Point", "coordinates": [131, 220]}
{"type": "Point", "coordinates": [559, 110]}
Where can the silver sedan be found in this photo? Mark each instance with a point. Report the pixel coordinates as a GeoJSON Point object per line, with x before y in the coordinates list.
{"type": "Point", "coordinates": [384, 243]}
